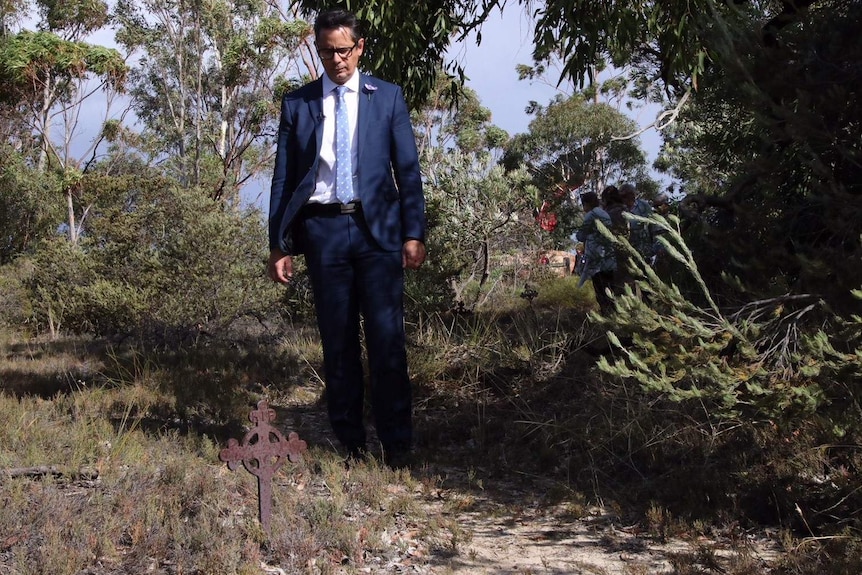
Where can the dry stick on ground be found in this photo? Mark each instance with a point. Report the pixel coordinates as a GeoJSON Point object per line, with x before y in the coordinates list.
{"type": "Point", "coordinates": [43, 470]}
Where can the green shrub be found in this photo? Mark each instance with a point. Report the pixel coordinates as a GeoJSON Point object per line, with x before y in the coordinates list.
{"type": "Point", "coordinates": [154, 259]}
{"type": "Point", "coordinates": [15, 305]}
{"type": "Point", "coordinates": [30, 205]}
{"type": "Point", "coordinates": [775, 358]}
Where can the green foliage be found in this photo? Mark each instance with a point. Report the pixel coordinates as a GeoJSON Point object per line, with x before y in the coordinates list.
{"type": "Point", "coordinates": [667, 35]}
{"type": "Point", "coordinates": [153, 259]}
{"type": "Point", "coordinates": [570, 144]}
{"type": "Point", "coordinates": [770, 161]}
{"type": "Point", "coordinates": [80, 17]}
{"type": "Point", "coordinates": [60, 274]}
{"type": "Point", "coordinates": [15, 303]}
{"type": "Point", "coordinates": [29, 205]}
{"type": "Point", "coordinates": [463, 122]}
{"type": "Point", "coordinates": [30, 61]}
{"type": "Point", "coordinates": [474, 211]}
{"type": "Point", "coordinates": [408, 41]}
{"type": "Point", "coordinates": [762, 360]}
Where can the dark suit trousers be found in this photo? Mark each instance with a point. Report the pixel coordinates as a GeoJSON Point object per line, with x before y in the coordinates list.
{"type": "Point", "coordinates": [350, 274]}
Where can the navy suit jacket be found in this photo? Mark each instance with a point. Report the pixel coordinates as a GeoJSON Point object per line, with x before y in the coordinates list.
{"type": "Point", "coordinates": [387, 172]}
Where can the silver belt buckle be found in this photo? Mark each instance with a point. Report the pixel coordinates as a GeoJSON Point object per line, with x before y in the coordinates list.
{"type": "Point", "coordinates": [348, 208]}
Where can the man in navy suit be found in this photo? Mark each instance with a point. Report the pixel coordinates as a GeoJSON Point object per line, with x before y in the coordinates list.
{"type": "Point", "coordinates": [347, 193]}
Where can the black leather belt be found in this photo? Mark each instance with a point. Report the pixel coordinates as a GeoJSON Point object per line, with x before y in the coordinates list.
{"type": "Point", "coordinates": [315, 209]}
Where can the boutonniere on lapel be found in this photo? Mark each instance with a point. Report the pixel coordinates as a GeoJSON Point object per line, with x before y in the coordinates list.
{"type": "Point", "coordinates": [369, 89]}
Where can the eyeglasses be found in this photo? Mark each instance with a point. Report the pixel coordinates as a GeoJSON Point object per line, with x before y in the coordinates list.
{"type": "Point", "coordinates": [329, 53]}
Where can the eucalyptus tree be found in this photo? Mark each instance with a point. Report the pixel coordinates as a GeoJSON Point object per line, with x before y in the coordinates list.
{"type": "Point", "coordinates": [570, 147]}
{"type": "Point", "coordinates": [46, 79]}
{"type": "Point", "coordinates": [477, 211]}
{"type": "Point", "coordinates": [206, 83]}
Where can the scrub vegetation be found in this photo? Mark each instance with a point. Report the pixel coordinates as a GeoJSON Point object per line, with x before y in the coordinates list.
{"type": "Point", "coordinates": [717, 404]}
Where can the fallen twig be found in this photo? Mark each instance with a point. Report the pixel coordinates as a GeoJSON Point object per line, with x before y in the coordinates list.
{"type": "Point", "coordinates": [43, 470]}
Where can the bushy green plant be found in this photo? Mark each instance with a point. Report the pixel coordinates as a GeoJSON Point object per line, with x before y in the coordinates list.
{"type": "Point", "coordinates": [475, 213]}
{"type": "Point", "coordinates": [776, 358]}
{"type": "Point", "coordinates": [30, 205]}
{"type": "Point", "coordinates": [153, 258]}
{"type": "Point", "coordinates": [15, 305]}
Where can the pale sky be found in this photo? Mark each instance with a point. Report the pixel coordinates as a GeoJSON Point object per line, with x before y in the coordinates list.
{"type": "Point", "coordinates": [490, 66]}
{"type": "Point", "coordinates": [507, 40]}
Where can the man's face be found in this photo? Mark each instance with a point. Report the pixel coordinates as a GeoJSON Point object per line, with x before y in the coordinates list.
{"type": "Point", "coordinates": [339, 68]}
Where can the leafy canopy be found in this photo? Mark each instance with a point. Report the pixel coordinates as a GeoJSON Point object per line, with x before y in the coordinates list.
{"type": "Point", "coordinates": [407, 41]}
{"type": "Point", "coordinates": [31, 60]}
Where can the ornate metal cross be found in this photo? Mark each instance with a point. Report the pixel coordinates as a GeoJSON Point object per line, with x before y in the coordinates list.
{"type": "Point", "coordinates": [262, 452]}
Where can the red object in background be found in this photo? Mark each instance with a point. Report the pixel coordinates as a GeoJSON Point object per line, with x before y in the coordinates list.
{"type": "Point", "coordinates": [547, 220]}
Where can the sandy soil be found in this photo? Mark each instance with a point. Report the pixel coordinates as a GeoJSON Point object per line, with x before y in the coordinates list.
{"type": "Point", "coordinates": [547, 541]}
{"type": "Point", "coordinates": [510, 529]}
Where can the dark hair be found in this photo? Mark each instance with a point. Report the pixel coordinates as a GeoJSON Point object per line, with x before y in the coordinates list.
{"type": "Point", "coordinates": [628, 190]}
{"type": "Point", "coordinates": [338, 18]}
{"type": "Point", "coordinates": [611, 195]}
{"type": "Point", "coordinates": [589, 198]}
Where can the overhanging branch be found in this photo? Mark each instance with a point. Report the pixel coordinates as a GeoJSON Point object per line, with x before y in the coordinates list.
{"type": "Point", "coordinates": [663, 120]}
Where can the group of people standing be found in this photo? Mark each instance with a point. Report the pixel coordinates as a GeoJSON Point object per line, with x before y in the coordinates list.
{"type": "Point", "coordinates": [600, 261]}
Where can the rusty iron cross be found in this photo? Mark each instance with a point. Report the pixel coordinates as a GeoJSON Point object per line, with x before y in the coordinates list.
{"type": "Point", "coordinates": [262, 452]}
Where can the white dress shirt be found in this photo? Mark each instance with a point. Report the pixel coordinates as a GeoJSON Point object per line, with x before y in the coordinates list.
{"type": "Point", "coordinates": [324, 192]}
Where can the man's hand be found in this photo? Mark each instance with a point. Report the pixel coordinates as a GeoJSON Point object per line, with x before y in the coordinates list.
{"type": "Point", "coordinates": [412, 254]}
{"type": "Point", "coordinates": [280, 267]}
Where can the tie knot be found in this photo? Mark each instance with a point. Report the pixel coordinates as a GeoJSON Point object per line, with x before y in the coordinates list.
{"type": "Point", "coordinates": [341, 91]}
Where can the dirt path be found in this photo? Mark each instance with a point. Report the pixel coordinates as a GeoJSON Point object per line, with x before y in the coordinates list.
{"type": "Point", "coordinates": [541, 544]}
{"type": "Point", "coordinates": [512, 529]}
{"type": "Point", "coordinates": [532, 540]}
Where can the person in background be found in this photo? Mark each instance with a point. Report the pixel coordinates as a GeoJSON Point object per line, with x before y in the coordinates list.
{"type": "Point", "coordinates": [599, 259]}
{"type": "Point", "coordinates": [661, 206]}
{"type": "Point", "coordinates": [578, 268]}
{"type": "Point", "coordinates": [640, 233]}
{"type": "Point", "coordinates": [612, 201]}
{"type": "Point", "coordinates": [347, 193]}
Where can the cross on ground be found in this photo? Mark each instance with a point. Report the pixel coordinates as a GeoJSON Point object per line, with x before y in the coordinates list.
{"type": "Point", "coordinates": [262, 451]}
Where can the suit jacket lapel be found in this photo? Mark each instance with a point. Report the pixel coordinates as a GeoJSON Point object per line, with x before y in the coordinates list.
{"type": "Point", "coordinates": [315, 110]}
{"type": "Point", "coordinates": [366, 112]}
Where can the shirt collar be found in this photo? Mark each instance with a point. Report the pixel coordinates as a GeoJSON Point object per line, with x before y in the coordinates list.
{"type": "Point", "coordinates": [352, 84]}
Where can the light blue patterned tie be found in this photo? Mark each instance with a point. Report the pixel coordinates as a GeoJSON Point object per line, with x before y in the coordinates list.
{"type": "Point", "coordinates": [343, 167]}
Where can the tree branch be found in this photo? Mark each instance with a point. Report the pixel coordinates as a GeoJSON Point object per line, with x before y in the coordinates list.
{"type": "Point", "coordinates": [663, 120]}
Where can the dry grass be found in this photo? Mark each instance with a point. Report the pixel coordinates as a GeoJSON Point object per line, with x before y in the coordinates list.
{"type": "Point", "coordinates": [129, 488]}
{"type": "Point", "coordinates": [509, 409]}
